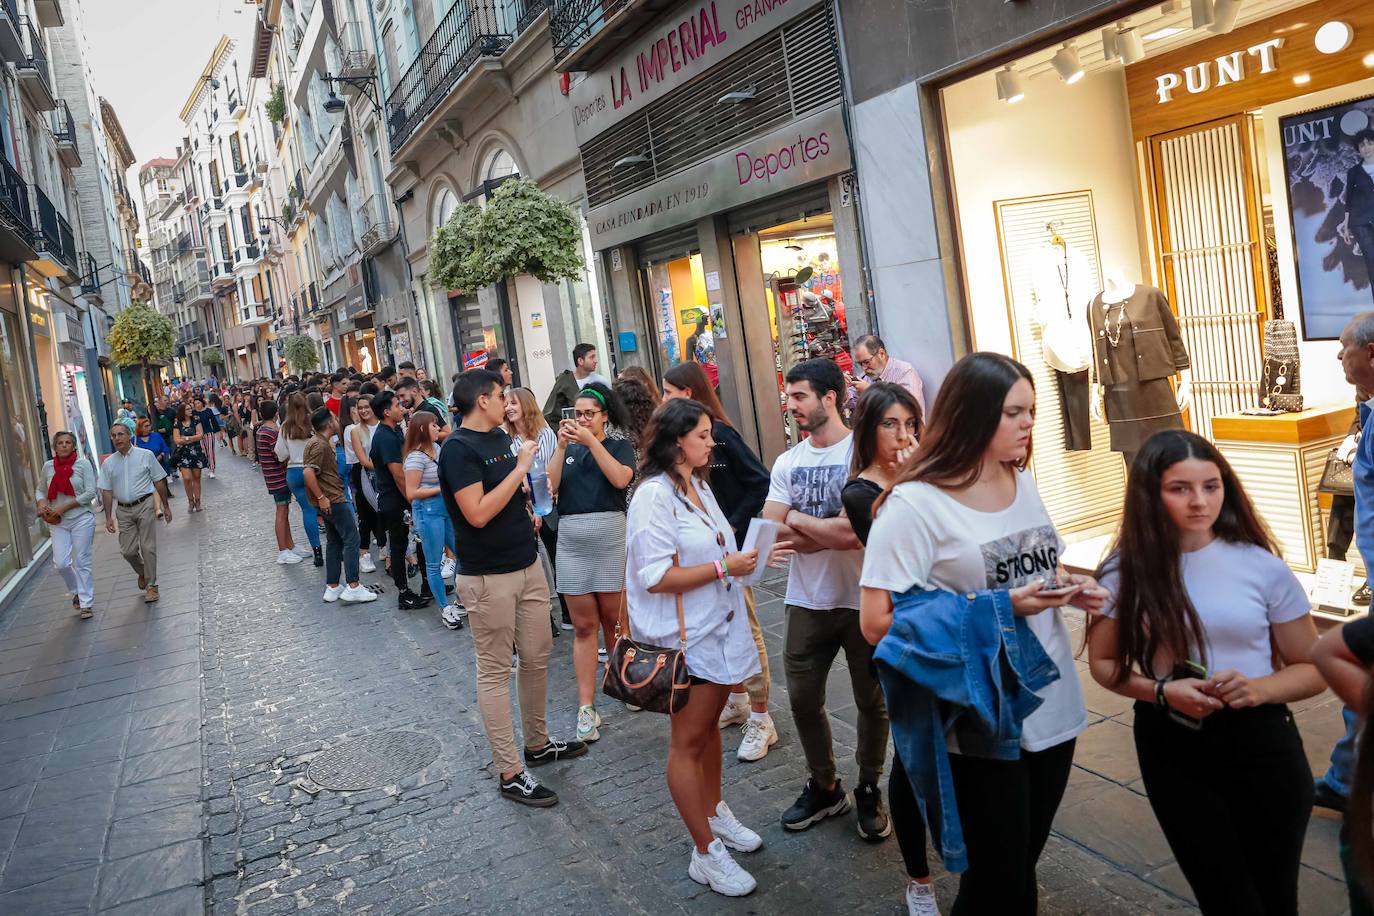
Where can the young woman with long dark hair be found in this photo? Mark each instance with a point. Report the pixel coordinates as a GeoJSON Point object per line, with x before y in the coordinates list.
{"type": "Point", "coordinates": [427, 510]}
{"type": "Point", "coordinates": [682, 548]}
{"type": "Point", "coordinates": [640, 402]}
{"type": "Point", "coordinates": [358, 439]}
{"type": "Point", "coordinates": [740, 483]}
{"type": "Point", "coordinates": [1211, 634]}
{"type": "Point", "coordinates": [960, 516]}
{"type": "Point", "coordinates": [188, 435]}
{"type": "Point", "coordinates": [296, 433]}
{"type": "Point", "coordinates": [589, 473]}
{"type": "Point", "coordinates": [887, 426]}
{"type": "Point", "coordinates": [524, 423]}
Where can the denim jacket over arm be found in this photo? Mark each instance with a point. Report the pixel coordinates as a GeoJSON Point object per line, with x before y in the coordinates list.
{"type": "Point", "coordinates": [961, 663]}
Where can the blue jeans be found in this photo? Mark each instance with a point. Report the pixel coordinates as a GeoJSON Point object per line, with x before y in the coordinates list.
{"type": "Point", "coordinates": [344, 471]}
{"type": "Point", "coordinates": [436, 530]}
{"type": "Point", "coordinates": [341, 532]}
{"type": "Point", "coordinates": [295, 479]}
{"type": "Point", "coordinates": [1341, 772]}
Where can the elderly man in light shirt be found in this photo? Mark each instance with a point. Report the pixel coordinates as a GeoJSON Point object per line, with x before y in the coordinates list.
{"type": "Point", "coordinates": [870, 355]}
{"type": "Point", "coordinates": [126, 482]}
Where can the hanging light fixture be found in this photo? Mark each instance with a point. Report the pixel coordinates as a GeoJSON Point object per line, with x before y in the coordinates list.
{"type": "Point", "coordinates": [1011, 88]}
{"type": "Point", "coordinates": [1109, 49]}
{"type": "Point", "coordinates": [1130, 45]}
{"type": "Point", "coordinates": [1224, 16]}
{"type": "Point", "coordinates": [1203, 15]}
{"type": "Point", "coordinates": [1066, 64]}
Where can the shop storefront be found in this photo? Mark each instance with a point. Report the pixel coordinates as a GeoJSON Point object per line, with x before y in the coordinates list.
{"type": "Point", "coordinates": [1132, 206]}
{"type": "Point", "coordinates": [721, 199]}
{"type": "Point", "coordinates": [22, 450]}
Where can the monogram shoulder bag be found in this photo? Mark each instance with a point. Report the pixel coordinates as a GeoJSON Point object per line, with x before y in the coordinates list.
{"type": "Point", "coordinates": [650, 677]}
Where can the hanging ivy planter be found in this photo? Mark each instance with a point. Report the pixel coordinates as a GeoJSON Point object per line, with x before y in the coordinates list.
{"type": "Point", "coordinates": [521, 230]}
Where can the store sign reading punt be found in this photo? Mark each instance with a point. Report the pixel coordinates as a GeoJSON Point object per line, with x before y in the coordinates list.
{"type": "Point", "coordinates": [682, 45]}
{"type": "Point", "coordinates": [800, 153]}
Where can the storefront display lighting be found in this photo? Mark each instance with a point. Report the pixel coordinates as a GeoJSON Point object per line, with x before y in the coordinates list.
{"type": "Point", "coordinates": [1010, 87]}
{"type": "Point", "coordinates": [1066, 64]}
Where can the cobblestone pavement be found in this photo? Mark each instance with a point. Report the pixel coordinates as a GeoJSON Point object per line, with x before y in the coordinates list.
{"type": "Point", "coordinates": [106, 789]}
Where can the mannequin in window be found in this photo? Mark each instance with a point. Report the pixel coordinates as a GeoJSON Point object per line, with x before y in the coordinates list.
{"type": "Point", "coordinates": [1063, 285]}
{"type": "Point", "coordinates": [1358, 226]}
{"type": "Point", "coordinates": [1137, 349]}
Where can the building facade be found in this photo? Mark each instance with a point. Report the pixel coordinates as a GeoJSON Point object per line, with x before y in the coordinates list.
{"type": "Point", "coordinates": [471, 99]}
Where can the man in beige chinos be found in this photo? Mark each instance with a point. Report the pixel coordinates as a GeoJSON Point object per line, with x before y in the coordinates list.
{"type": "Point", "coordinates": [126, 482]}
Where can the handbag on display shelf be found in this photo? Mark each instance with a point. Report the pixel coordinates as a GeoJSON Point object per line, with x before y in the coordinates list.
{"type": "Point", "coordinates": [1338, 476]}
{"type": "Point", "coordinates": [1281, 388]}
{"type": "Point", "coordinates": [650, 677]}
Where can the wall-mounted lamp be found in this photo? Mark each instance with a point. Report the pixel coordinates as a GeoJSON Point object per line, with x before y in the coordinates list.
{"type": "Point", "coordinates": [737, 97]}
{"type": "Point", "coordinates": [627, 161]}
{"type": "Point", "coordinates": [1066, 64]}
{"type": "Point", "coordinates": [365, 83]}
{"type": "Point", "coordinates": [1130, 45]}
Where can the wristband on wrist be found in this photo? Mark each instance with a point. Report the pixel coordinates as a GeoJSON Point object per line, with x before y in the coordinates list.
{"type": "Point", "coordinates": [1160, 699]}
{"type": "Point", "coordinates": [725, 568]}
{"type": "Point", "coordinates": [720, 572]}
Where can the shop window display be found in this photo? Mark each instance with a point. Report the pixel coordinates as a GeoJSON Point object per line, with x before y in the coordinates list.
{"type": "Point", "coordinates": [684, 328]}
{"type": "Point", "coordinates": [23, 445]}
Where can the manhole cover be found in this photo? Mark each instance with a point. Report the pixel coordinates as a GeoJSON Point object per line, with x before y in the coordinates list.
{"type": "Point", "coordinates": [373, 760]}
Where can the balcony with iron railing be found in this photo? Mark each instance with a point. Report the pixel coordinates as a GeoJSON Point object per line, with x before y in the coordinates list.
{"type": "Point", "coordinates": [11, 44]}
{"type": "Point", "coordinates": [585, 32]}
{"type": "Point", "coordinates": [33, 72]}
{"type": "Point", "coordinates": [221, 274]}
{"type": "Point", "coordinates": [90, 278]}
{"type": "Point", "coordinates": [64, 134]}
{"type": "Point", "coordinates": [357, 57]}
{"type": "Point", "coordinates": [54, 241]}
{"type": "Point", "coordinates": [471, 29]}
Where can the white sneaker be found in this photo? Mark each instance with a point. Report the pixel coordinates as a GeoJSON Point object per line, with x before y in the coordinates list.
{"type": "Point", "coordinates": [734, 713]}
{"type": "Point", "coordinates": [365, 563]}
{"type": "Point", "coordinates": [920, 899]}
{"type": "Point", "coordinates": [721, 872]}
{"type": "Point", "coordinates": [453, 617]}
{"type": "Point", "coordinates": [355, 594]}
{"type": "Point", "coordinates": [211, 474]}
{"type": "Point", "coordinates": [332, 592]}
{"type": "Point", "coordinates": [731, 832]}
{"type": "Point", "coordinates": [447, 567]}
{"type": "Point", "coordinates": [759, 736]}
{"type": "Point", "coordinates": [588, 721]}
{"type": "Point", "coordinates": [288, 557]}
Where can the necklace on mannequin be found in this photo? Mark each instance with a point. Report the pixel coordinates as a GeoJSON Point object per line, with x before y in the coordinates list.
{"type": "Point", "coordinates": [1113, 337]}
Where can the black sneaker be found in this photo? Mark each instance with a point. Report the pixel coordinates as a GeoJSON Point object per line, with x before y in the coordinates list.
{"type": "Point", "coordinates": [555, 750]}
{"type": "Point", "coordinates": [524, 789]}
{"type": "Point", "coordinates": [1323, 796]}
{"type": "Point", "coordinates": [319, 556]}
{"type": "Point", "coordinates": [1361, 597]}
{"type": "Point", "coordinates": [815, 804]}
{"type": "Point", "coordinates": [874, 824]}
{"type": "Point", "coordinates": [409, 601]}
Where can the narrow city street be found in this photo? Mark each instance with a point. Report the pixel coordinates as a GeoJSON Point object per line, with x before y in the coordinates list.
{"type": "Point", "coordinates": [157, 760]}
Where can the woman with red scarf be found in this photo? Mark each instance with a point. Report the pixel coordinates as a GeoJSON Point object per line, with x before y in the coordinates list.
{"type": "Point", "coordinates": [63, 500]}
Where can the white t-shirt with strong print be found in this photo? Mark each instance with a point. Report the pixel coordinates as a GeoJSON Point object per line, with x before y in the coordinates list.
{"type": "Point", "coordinates": [925, 537]}
{"type": "Point", "coordinates": [810, 479]}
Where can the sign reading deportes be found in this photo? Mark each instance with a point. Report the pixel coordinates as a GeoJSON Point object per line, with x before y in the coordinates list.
{"type": "Point", "coordinates": [682, 45]}
{"type": "Point", "coordinates": [801, 152]}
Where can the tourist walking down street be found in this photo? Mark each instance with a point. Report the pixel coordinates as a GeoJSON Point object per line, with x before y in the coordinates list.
{"type": "Point", "coordinates": [188, 435]}
{"type": "Point", "coordinates": [320, 467]}
{"type": "Point", "coordinates": [589, 474]}
{"type": "Point", "coordinates": [427, 510]}
{"type": "Point", "coordinates": [960, 518]}
{"type": "Point", "coordinates": [274, 476]}
{"type": "Point", "coordinates": [501, 584]}
{"type": "Point", "coordinates": [823, 603]}
{"type": "Point", "coordinates": [207, 410]}
{"type": "Point", "coordinates": [388, 456]}
{"type": "Point", "coordinates": [66, 491]}
{"type": "Point", "coordinates": [681, 589]}
{"type": "Point", "coordinates": [740, 484]}
{"type": "Point", "coordinates": [295, 434]}
{"type": "Point", "coordinates": [127, 479]}
{"type": "Point", "coordinates": [524, 423]}
{"type": "Point", "coordinates": [887, 425]}
{"type": "Point", "coordinates": [1211, 634]}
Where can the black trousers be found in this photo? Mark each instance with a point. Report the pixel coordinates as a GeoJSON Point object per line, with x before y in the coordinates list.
{"type": "Point", "coordinates": [393, 522]}
{"type": "Point", "coordinates": [1073, 410]}
{"type": "Point", "coordinates": [1340, 528]}
{"type": "Point", "coordinates": [1233, 799]}
{"type": "Point", "coordinates": [907, 821]}
{"type": "Point", "coordinates": [1364, 234]}
{"type": "Point", "coordinates": [369, 522]}
{"type": "Point", "coordinates": [1006, 808]}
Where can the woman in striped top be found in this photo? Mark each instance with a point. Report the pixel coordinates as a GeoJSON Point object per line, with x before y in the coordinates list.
{"type": "Point", "coordinates": [524, 421]}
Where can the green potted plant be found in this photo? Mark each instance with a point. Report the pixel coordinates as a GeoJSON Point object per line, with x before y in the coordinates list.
{"type": "Point", "coordinates": [521, 230]}
{"type": "Point", "coordinates": [300, 354]}
{"type": "Point", "coordinates": [140, 335]}
{"type": "Point", "coordinates": [276, 104]}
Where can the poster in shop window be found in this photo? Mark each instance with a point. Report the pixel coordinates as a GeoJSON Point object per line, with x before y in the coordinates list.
{"type": "Point", "coordinates": [1329, 169]}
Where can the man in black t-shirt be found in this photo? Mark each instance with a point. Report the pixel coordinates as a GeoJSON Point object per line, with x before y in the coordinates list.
{"type": "Point", "coordinates": [501, 582]}
{"type": "Point", "coordinates": [386, 454]}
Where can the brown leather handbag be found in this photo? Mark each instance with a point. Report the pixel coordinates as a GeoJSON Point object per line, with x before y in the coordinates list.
{"type": "Point", "coordinates": [650, 677]}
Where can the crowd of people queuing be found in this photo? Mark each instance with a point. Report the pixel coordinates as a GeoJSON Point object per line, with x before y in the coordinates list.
{"type": "Point", "coordinates": [916, 544]}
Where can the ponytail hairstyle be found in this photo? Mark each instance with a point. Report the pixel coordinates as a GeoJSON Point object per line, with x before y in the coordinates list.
{"type": "Point", "coordinates": [1153, 611]}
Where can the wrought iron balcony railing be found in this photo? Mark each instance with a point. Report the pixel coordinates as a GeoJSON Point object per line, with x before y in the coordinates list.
{"type": "Point", "coordinates": [571, 22]}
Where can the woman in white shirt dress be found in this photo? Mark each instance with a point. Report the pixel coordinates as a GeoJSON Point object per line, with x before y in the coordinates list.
{"type": "Point", "coordinates": [680, 544]}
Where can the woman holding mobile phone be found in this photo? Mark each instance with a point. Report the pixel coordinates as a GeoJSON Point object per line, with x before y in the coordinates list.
{"type": "Point", "coordinates": [589, 473]}
{"type": "Point", "coordinates": [1201, 604]}
{"type": "Point", "coordinates": [963, 515]}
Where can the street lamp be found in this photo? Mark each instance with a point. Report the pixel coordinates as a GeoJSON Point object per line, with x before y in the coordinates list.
{"type": "Point", "coordinates": [264, 232]}
{"type": "Point", "coordinates": [365, 83]}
